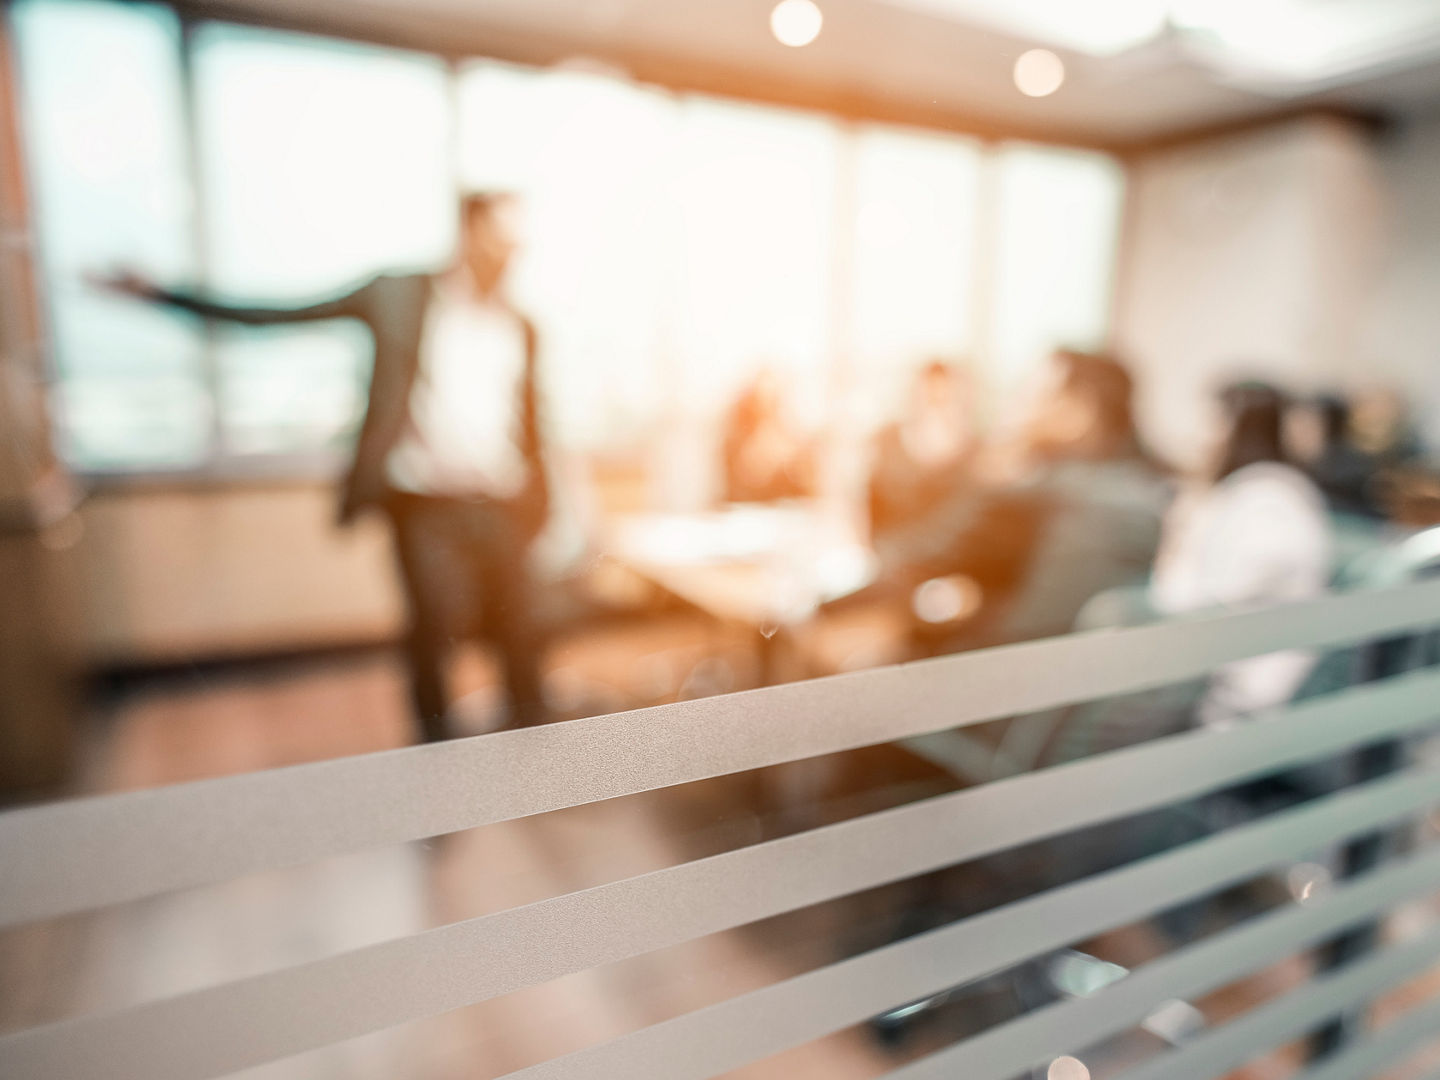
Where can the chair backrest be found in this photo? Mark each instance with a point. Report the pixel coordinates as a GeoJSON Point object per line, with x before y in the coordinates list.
{"type": "Point", "coordinates": [1415, 559]}
{"type": "Point", "coordinates": [84, 854]}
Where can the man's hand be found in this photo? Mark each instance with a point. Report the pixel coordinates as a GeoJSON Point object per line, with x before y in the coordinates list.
{"type": "Point", "coordinates": [125, 282]}
{"type": "Point", "coordinates": [356, 495]}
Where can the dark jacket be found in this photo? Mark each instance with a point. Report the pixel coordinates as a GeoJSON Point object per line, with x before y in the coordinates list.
{"type": "Point", "coordinates": [393, 307]}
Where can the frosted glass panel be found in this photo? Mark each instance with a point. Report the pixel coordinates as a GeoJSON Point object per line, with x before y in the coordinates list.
{"type": "Point", "coordinates": [1058, 221]}
{"type": "Point", "coordinates": [913, 257]}
{"type": "Point", "coordinates": [101, 111]}
{"type": "Point", "coordinates": [324, 163]}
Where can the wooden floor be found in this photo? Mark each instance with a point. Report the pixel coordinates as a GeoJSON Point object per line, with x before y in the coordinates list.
{"type": "Point", "coordinates": [196, 724]}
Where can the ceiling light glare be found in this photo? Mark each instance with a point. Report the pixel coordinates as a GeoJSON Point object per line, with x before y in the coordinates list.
{"type": "Point", "coordinates": [1038, 73]}
{"type": "Point", "coordinates": [796, 22]}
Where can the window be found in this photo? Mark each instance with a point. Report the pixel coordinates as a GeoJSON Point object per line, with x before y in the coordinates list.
{"type": "Point", "coordinates": [588, 156]}
{"type": "Point", "coordinates": [916, 215]}
{"type": "Point", "coordinates": [755, 193]}
{"type": "Point", "coordinates": [322, 163]}
{"type": "Point", "coordinates": [102, 115]}
{"type": "Point", "coordinates": [673, 243]}
{"type": "Point", "coordinates": [1057, 218]}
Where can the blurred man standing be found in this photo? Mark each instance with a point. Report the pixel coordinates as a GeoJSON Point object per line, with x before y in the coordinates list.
{"type": "Point", "coordinates": [449, 449]}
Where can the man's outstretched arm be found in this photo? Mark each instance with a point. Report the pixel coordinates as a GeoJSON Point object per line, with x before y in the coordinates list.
{"type": "Point", "coordinates": [140, 288]}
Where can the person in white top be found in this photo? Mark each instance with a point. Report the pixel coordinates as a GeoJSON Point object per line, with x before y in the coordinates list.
{"type": "Point", "coordinates": [1256, 534]}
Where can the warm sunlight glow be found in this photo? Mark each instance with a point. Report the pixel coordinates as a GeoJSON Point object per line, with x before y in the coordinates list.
{"type": "Point", "coordinates": [796, 22]}
{"type": "Point", "coordinates": [1039, 73]}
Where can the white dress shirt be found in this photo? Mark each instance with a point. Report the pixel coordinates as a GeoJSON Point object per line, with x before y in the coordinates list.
{"type": "Point", "coordinates": [1261, 536]}
{"type": "Point", "coordinates": [464, 405]}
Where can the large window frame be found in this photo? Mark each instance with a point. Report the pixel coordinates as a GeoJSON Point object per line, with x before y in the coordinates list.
{"type": "Point", "coordinates": [219, 462]}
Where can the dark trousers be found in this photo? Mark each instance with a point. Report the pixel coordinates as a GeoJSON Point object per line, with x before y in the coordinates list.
{"type": "Point", "coordinates": [464, 566]}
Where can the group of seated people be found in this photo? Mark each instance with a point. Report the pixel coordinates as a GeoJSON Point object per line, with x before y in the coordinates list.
{"type": "Point", "coordinates": [1074, 508]}
{"type": "Point", "coordinates": [1008, 539]}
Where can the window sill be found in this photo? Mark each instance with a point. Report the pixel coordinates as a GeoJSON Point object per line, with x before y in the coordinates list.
{"type": "Point", "coordinates": [263, 472]}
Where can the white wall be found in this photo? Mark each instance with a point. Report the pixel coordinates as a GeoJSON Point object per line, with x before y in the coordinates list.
{"type": "Point", "coordinates": [1251, 255]}
{"type": "Point", "coordinates": [1402, 334]}
{"type": "Point", "coordinates": [173, 574]}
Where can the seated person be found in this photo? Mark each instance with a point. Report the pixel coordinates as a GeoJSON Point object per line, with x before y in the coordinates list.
{"type": "Point", "coordinates": [1380, 427]}
{"type": "Point", "coordinates": [1317, 434]}
{"type": "Point", "coordinates": [1405, 485]}
{"type": "Point", "coordinates": [765, 459]}
{"type": "Point", "coordinates": [1084, 516]}
{"type": "Point", "coordinates": [927, 457]}
{"type": "Point", "coordinates": [1255, 532]}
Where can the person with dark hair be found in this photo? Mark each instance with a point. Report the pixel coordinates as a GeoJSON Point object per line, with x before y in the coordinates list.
{"type": "Point", "coordinates": [1254, 532]}
{"type": "Point", "coordinates": [1254, 414]}
{"type": "Point", "coordinates": [450, 448]}
{"type": "Point", "coordinates": [1082, 517]}
{"type": "Point", "coordinates": [1089, 411]}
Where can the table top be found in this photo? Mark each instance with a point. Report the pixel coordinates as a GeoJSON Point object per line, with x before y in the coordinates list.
{"type": "Point", "coordinates": [762, 565]}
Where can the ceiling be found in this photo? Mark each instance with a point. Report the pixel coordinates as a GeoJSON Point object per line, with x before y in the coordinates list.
{"type": "Point", "coordinates": [949, 62]}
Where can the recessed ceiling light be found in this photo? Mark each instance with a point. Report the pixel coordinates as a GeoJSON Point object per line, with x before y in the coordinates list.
{"type": "Point", "coordinates": [796, 22]}
{"type": "Point", "coordinates": [1038, 73]}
